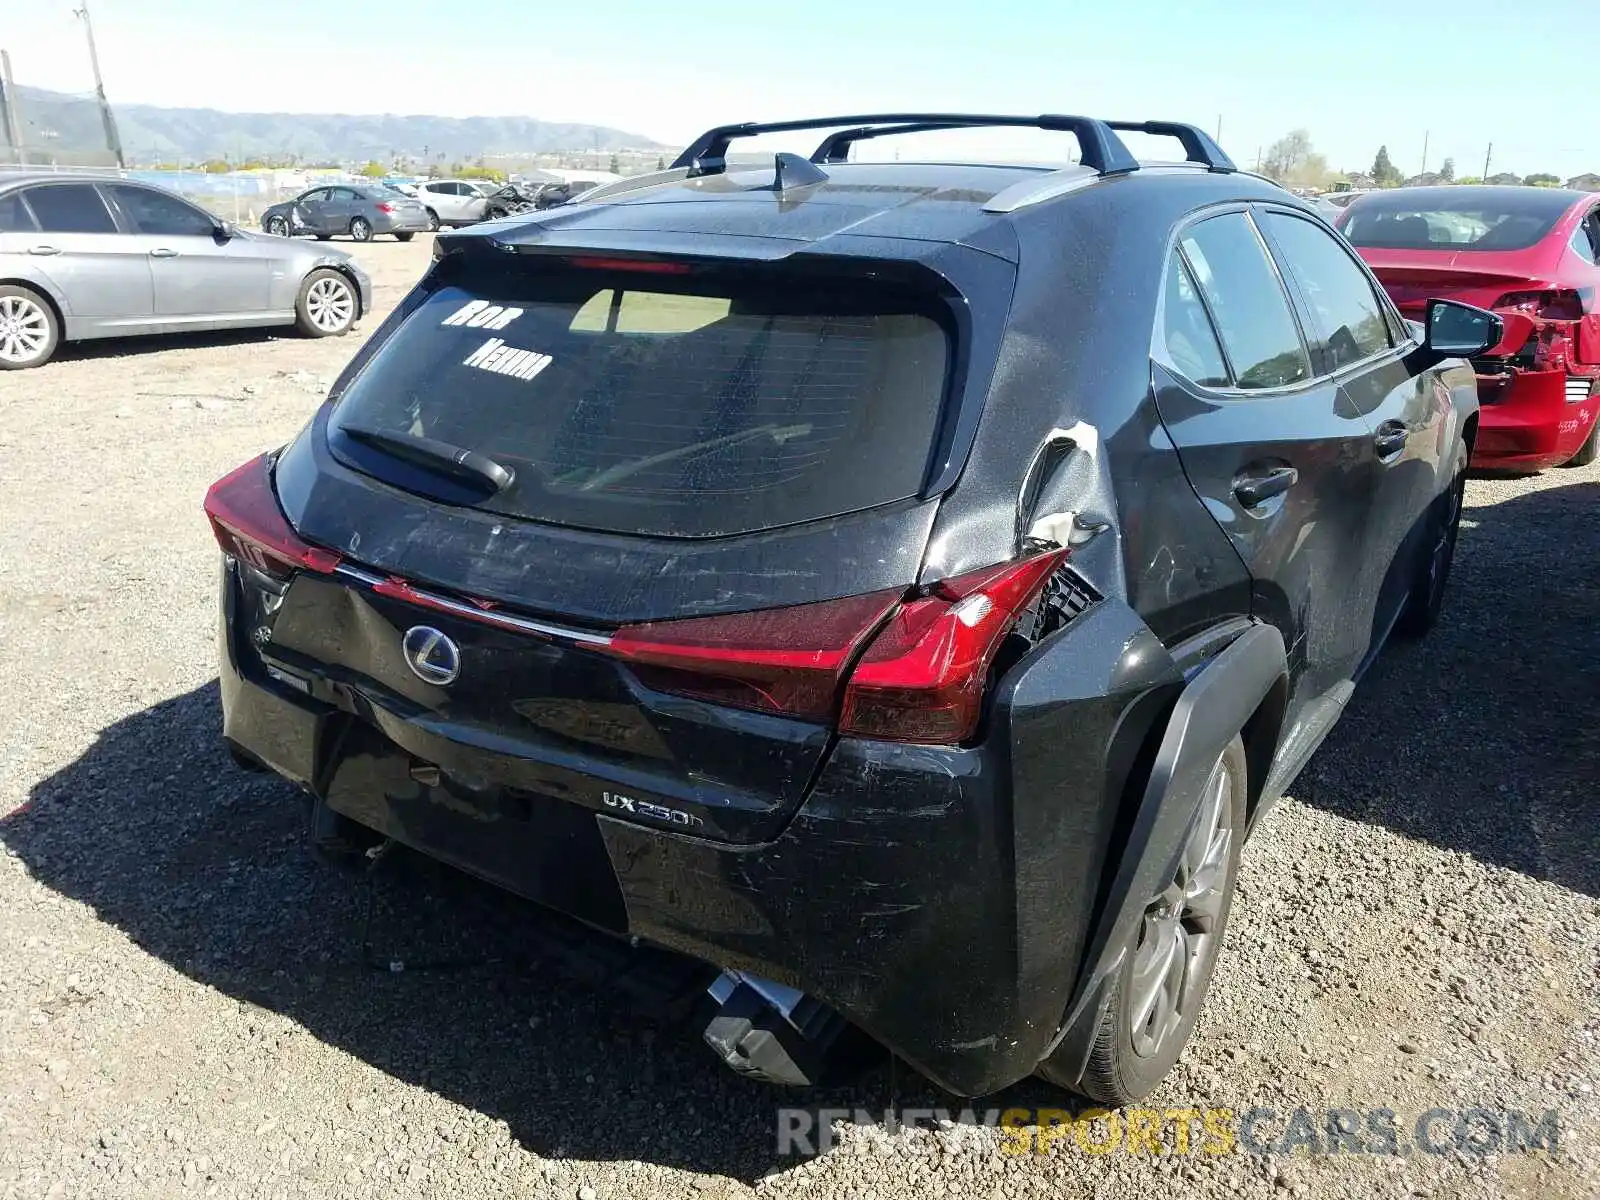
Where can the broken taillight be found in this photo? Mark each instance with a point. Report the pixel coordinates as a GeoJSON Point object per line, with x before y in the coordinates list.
{"type": "Point", "coordinates": [1555, 304]}
{"type": "Point", "coordinates": [909, 672]}
{"type": "Point", "coordinates": [250, 526]}
{"type": "Point", "coordinates": [922, 678]}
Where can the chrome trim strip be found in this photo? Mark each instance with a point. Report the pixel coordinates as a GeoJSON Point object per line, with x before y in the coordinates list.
{"type": "Point", "coordinates": [1069, 179]}
{"type": "Point", "coordinates": [482, 615]}
{"type": "Point", "coordinates": [1044, 187]}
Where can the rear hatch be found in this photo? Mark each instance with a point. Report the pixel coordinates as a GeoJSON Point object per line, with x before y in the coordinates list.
{"type": "Point", "coordinates": [656, 508]}
{"type": "Point", "coordinates": [1412, 278]}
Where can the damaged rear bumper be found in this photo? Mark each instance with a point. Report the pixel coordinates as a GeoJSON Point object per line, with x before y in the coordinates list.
{"type": "Point", "coordinates": [939, 898]}
{"type": "Point", "coordinates": [1533, 419]}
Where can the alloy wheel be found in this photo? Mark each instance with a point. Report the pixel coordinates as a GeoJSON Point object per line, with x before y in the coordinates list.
{"type": "Point", "coordinates": [329, 304]}
{"type": "Point", "coordinates": [277, 227]}
{"type": "Point", "coordinates": [1181, 924]}
{"type": "Point", "coordinates": [24, 330]}
{"type": "Point", "coordinates": [360, 230]}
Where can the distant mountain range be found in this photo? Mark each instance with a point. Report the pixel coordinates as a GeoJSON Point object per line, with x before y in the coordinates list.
{"type": "Point", "coordinates": [68, 128]}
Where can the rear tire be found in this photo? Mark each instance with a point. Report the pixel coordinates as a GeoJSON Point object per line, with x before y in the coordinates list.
{"type": "Point", "coordinates": [327, 305]}
{"type": "Point", "coordinates": [1426, 603]}
{"type": "Point", "coordinates": [1158, 992]}
{"type": "Point", "coordinates": [29, 331]}
{"type": "Point", "coordinates": [404, 237]}
{"type": "Point", "coordinates": [1589, 451]}
{"type": "Point", "coordinates": [433, 221]}
{"type": "Point", "coordinates": [360, 229]}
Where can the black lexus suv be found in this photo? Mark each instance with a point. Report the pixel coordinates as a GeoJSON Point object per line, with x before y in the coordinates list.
{"type": "Point", "coordinates": [898, 586]}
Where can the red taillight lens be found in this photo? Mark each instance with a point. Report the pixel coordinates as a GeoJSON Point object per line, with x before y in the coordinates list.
{"type": "Point", "coordinates": [249, 525]}
{"type": "Point", "coordinates": [1560, 304]}
{"type": "Point", "coordinates": [922, 678]}
{"type": "Point", "coordinates": [917, 677]}
{"type": "Point", "coordinates": [785, 660]}
{"type": "Point", "coordinates": [385, 207]}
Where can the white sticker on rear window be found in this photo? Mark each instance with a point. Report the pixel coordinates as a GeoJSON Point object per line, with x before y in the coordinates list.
{"type": "Point", "coordinates": [480, 314]}
{"type": "Point", "coordinates": [494, 355]}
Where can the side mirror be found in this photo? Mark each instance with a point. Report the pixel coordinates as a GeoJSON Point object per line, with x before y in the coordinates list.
{"type": "Point", "coordinates": [1456, 330]}
{"type": "Point", "coordinates": [226, 230]}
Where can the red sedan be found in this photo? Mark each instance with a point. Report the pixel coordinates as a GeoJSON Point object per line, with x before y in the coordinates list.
{"type": "Point", "coordinates": [1531, 255]}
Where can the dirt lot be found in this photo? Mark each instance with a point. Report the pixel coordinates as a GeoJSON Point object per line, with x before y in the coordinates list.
{"type": "Point", "coordinates": [189, 1004]}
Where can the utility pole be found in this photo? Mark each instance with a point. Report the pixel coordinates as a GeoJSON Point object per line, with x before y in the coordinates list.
{"type": "Point", "coordinates": [1424, 170]}
{"type": "Point", "coordinates": [1219, 129]}
{"type": "Point", "coordinates": [1487, 155]}
{"type": "Point", "coordinates": [9, 122]}
{"type": "Point", "coordinates": [113, 142]}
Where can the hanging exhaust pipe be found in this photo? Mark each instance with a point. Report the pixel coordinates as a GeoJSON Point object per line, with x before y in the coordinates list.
{"type": "Point", "coordinates": [775, 1034]}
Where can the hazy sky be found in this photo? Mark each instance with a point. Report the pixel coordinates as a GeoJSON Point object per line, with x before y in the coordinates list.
{"type": "Point", "coordinates": [1355, 73]}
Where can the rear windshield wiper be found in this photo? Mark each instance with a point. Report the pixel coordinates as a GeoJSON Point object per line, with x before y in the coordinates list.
{"type": "Point", "coordinates": [456, 461]}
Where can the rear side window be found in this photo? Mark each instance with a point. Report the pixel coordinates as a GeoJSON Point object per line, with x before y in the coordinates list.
{"type": "Point", "coordinates": [1585, 238]}
{"type": "Point", "coordinates": [1190, 341]}
{"type": "Point", "coordinates": [1252, 314]}
{"type": "Point", "coordinates": [70, 208]}
{"type": "Point", "coordinates": [161, 215]}
{"type": "Point", "coordinates": [1348, 312]}
{"type": "Point", "coordinates": [14, 214]}
{"type": "Point", "coordinates": [627, 404]}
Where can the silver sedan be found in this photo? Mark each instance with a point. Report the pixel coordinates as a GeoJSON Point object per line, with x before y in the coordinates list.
{"type": "Point", "coordinates": [85, 257]}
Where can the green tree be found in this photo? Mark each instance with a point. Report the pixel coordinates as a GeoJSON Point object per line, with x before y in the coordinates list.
{"type": "Point", "coordinates": [1467, 179]}
{"type": "Point", "coordinates": [1447, 171]}
{"type": "Point", "coordinates": [216, 166]}
{"type": "Point", "coordinates": [1384, 173]}
{"type": "Point", "coordinates": [374, 170]}
{"type": "Point", "coordinates": [1543, 179]}
{"type": "Point", "coordinates": [616, 165]}
{"type": "Point", "coordinates": [661, 163]}
{"type": "Point", "coordinates": [1287, 155]}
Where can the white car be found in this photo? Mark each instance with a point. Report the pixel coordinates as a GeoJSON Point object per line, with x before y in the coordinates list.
{"type": "Point", "coordinates": [452, 201]}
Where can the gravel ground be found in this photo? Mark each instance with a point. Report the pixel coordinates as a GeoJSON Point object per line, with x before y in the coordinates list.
{"type": "Point", "coordinates": [189, 1004]}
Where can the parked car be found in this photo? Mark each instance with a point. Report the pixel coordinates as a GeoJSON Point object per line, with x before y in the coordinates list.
{"type": "Point", "coordinates": [1343, 199]}
{"type": "Point", "coordinates": [361, 211]}
{"type": "Point", "coordinates": [91, 257]}
{"type": "Point", "coordinates": [900, 586]}
{"type": "Point", "coordinates": [510, 198]}
{"type": "Point", "coordinates": [1531, 255]}
{"type": "Point", "coordinates": [452, 202]}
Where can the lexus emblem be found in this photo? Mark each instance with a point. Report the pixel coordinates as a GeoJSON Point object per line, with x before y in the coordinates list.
{"type": "Point", "coordinates": [431, 655]}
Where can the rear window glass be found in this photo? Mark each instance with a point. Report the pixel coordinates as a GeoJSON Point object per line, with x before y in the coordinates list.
{"type": "Point", "coordinates": [655, 405]}
{"type": "Point", "coordinates": [14, 215]}
{"type": "Point", "coordinates": [70, 208]}
{"type": "Point", "coordinates": [1510, 220]}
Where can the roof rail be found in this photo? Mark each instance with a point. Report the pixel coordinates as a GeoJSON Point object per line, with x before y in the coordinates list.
{"type": "Point", "coordinates": [1197, 144]}
{"type": "Point", "coordinates": [1100, 149]}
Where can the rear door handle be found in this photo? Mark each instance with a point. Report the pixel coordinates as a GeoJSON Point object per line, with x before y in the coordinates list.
{"type": "Point", "coordinates": [1390, 438]}
{"type": "Point", "coordinates": [44, 250]}
{"type": "Point", "coordinates": [163, 252]}
{"type": "Point", "coordinates": [1254, 490]}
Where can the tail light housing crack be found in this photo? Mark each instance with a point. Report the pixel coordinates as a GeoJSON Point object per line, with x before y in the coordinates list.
{"type": "Point", "coordinates": [907, 670]}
